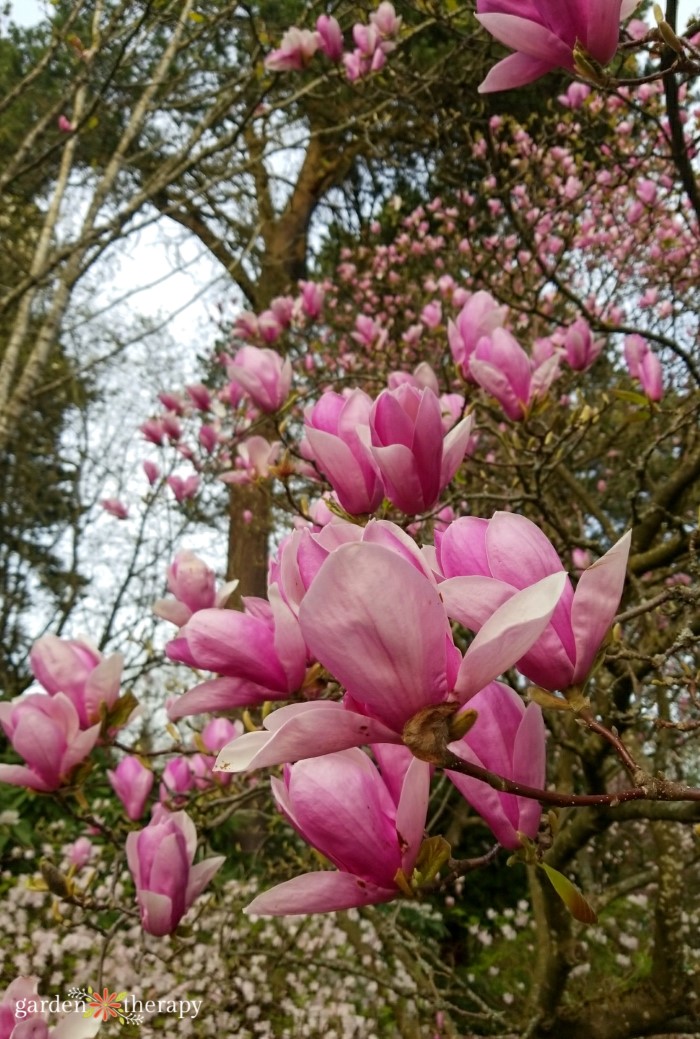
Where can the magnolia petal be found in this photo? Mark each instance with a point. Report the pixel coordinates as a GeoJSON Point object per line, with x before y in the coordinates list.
{"type": "Point", "coordinates": [379, 627]}
{"type": "Point", "coordinates": [308, 730]}
{"type": "Point", "coordinates": [156, 913]}
{"type": "Point", "coordinates": [596, 599]}
{"type": "Point", "coordinates": [322, 892]}
{"type": "Point", "coordinates": [200, 875]}
{"type": "Point", "coordinates": [221, 694]}
{"type": "Point", "coordinates": [516, 70]}
{"type": "Point", "coordinates": [508, 634]}
{"type": "Point", "coordinates": [412, 811]}
{"type": "Point", "coordinates": [528, 37]}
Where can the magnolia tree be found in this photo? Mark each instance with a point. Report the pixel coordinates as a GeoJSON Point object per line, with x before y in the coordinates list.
{"type": "Point", "coordinates": [478, 648]}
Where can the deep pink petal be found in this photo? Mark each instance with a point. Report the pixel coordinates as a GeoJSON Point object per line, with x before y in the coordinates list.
{"type": "Point", "coordinates": [412, 811]}
{"type": "Point", "coordinates": [343, 808]}
{"type": "Point", "coordinates": [596, 599]}
{"type": "Point", "coordinates": [508, 634]}
{"type": "Point", "coordinates": [221, 694]}
{"type": "Point", "coordinates": [379, 627]}
{"type": "Point", "coordinates": [530, 38]}
{"type": "Point", "coordinates": [399, 469]}
{"type": "Point", "coordinates": [236, 644]}
{"type": "Point", "coordinates": [462, 548]}
{"type": "Point", "coordinates": [322, 892]}
{"type": "Point", "coordinates": [517, 70]}
{"type": "Point", "coordinates": [19, 775]}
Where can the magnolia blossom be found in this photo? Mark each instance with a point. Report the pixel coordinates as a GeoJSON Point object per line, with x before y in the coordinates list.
{"type": "Point", "coordinates": [338, 437]}
{"type": "Point", "coordinates": [193, 585]}
{"type": "Point", "coordinates": [259, 652]}
{"type": "Point", "coordinates": [256, 458]}
{"type": "Point", "coordinates": [22, 1017]}
{"type": "Point", "coordinates": [132, 783]}
{"type": "Point", "coordinates": [115, 508]}
{"type": "Point", "coordinates": [644, 366]}
{"type": "Point", "coordinates": [502, 368]}
{"type": "Point", "coordinates": [508, 553]}
{"type": "Point", "coordinates": [295, 52]}
{"type": "Point", "coordinates": [45, 731]}
{"type": "Point", "coordinates": [507, 738]}
{"type": "Point", "coordinates": [80, 672]}
{"type": "Point", "coordinates": [263, 374]}
{"type": "Point", "coordinates": [183, 487]}
{"type": "Point", "coordinates": [330, 41]}
{"type": "Point", "coordinates": [160, 859]}
{"type": "Point", "coordinates": [375, 619]}
{"type": "Point", "coordinates": [580, 347]}
{"type": "Point", "coordinates": [415, 459]}
{"type": "Point", "coordinates": [479, 316]}
{"type": "Point", "coordinates": [344, 807]}
{"type": "Point", "coordinates": [80, 853]}
{"type": "Point", "coordinates": [544, 33]}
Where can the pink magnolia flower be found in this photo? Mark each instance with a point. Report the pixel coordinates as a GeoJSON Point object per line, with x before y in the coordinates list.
{"type": "Point", "coordinates": [338, 435]}
{"type": "Point", "coordinates": [295, 52]}
{"type": "Point", "coordinates": [193, 586]}
{"type": "Point", "coordinates": [160, 859]}
{"type": "Point", "coordinates": [344, 807]}
{"type": "Point", "coordinates": [386, 20]}
{"type": "Point", "coordinates": [302, 553]}
{"type": "Point", "coordinates": [543, 33]}
{"type": "Point", "coordinates": [260, 653]}
{"type": "Point", "coordinates": [263, 374]}
{"type": "Point", "coordinates": [183, 487]}
{"type": "Point", "coordinates": [132, 782]}
{"type": "Point", "coordinates": [20, 991]}
{"type": "Point", "coordinates": [80, 852]}
{"type": "Point", "coordinates": [200, 396]}
{"type": "Point", "coordinates": [508, 553]}
{"type": "Point", "coordinates": [220, 731]}
{"type": "Point", "coordinates": [375, 619]}
{"type": "Point", "coordinates": [330, 41]}
{"type": "Point", "coordinates": [74, 668]}
{"type": "Point", "coordinates": [644, 366]}
{"type": "Point", "coordinates": [580, 347]}
{"type": "Point", "coordinates": [501, 367]}
{"type": "Point", "coordinates": [508, 738]}
{"type": "Point", "coordinates": [415, 459]}
{"type": "Point", "coordinates": [256, 458]}
{"type": "Point", "coordinates": [151, 470]}
{"type": "Point", "coordinates": [115, 508]}
{"type": "Point", "coordinates": [313, 294]}
{"type": "Point", "coordinates": [479, 316]}
{"type": "Point", "coordinates": [20, 1017]}
{"type": "Point", "coordinates": [177, 779]}
{"type": "Point", "coordinates": [153, 431]}
{"type": "Point", "coordinates": [45, 731]}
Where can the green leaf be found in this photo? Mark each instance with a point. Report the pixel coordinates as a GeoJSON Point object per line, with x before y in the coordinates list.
{"type": "Point", "coordinates": [434, 853]}
{"type": "Point", "coordinates": [570, 895]}
{"type": "Point", "coordinates": [548, 700]}
{"type": "Point", "coordinates": [632, 397]}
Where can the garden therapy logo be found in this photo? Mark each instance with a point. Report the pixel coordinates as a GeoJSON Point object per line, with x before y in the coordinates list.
{"type": "Point", "coordinates": [106, 1006]}
{"type": "Point", "coordinates": [128, 1009]}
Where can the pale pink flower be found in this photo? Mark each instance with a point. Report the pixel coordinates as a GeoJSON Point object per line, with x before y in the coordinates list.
{"type": "Point", "coordinates": [161, 862]}
{"type": "Point", "coordinates": [344, 807]}
{"type": "Point", "coordinates": [495, 558]}
{"type": "Point", "coordinates": [132, 783]}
